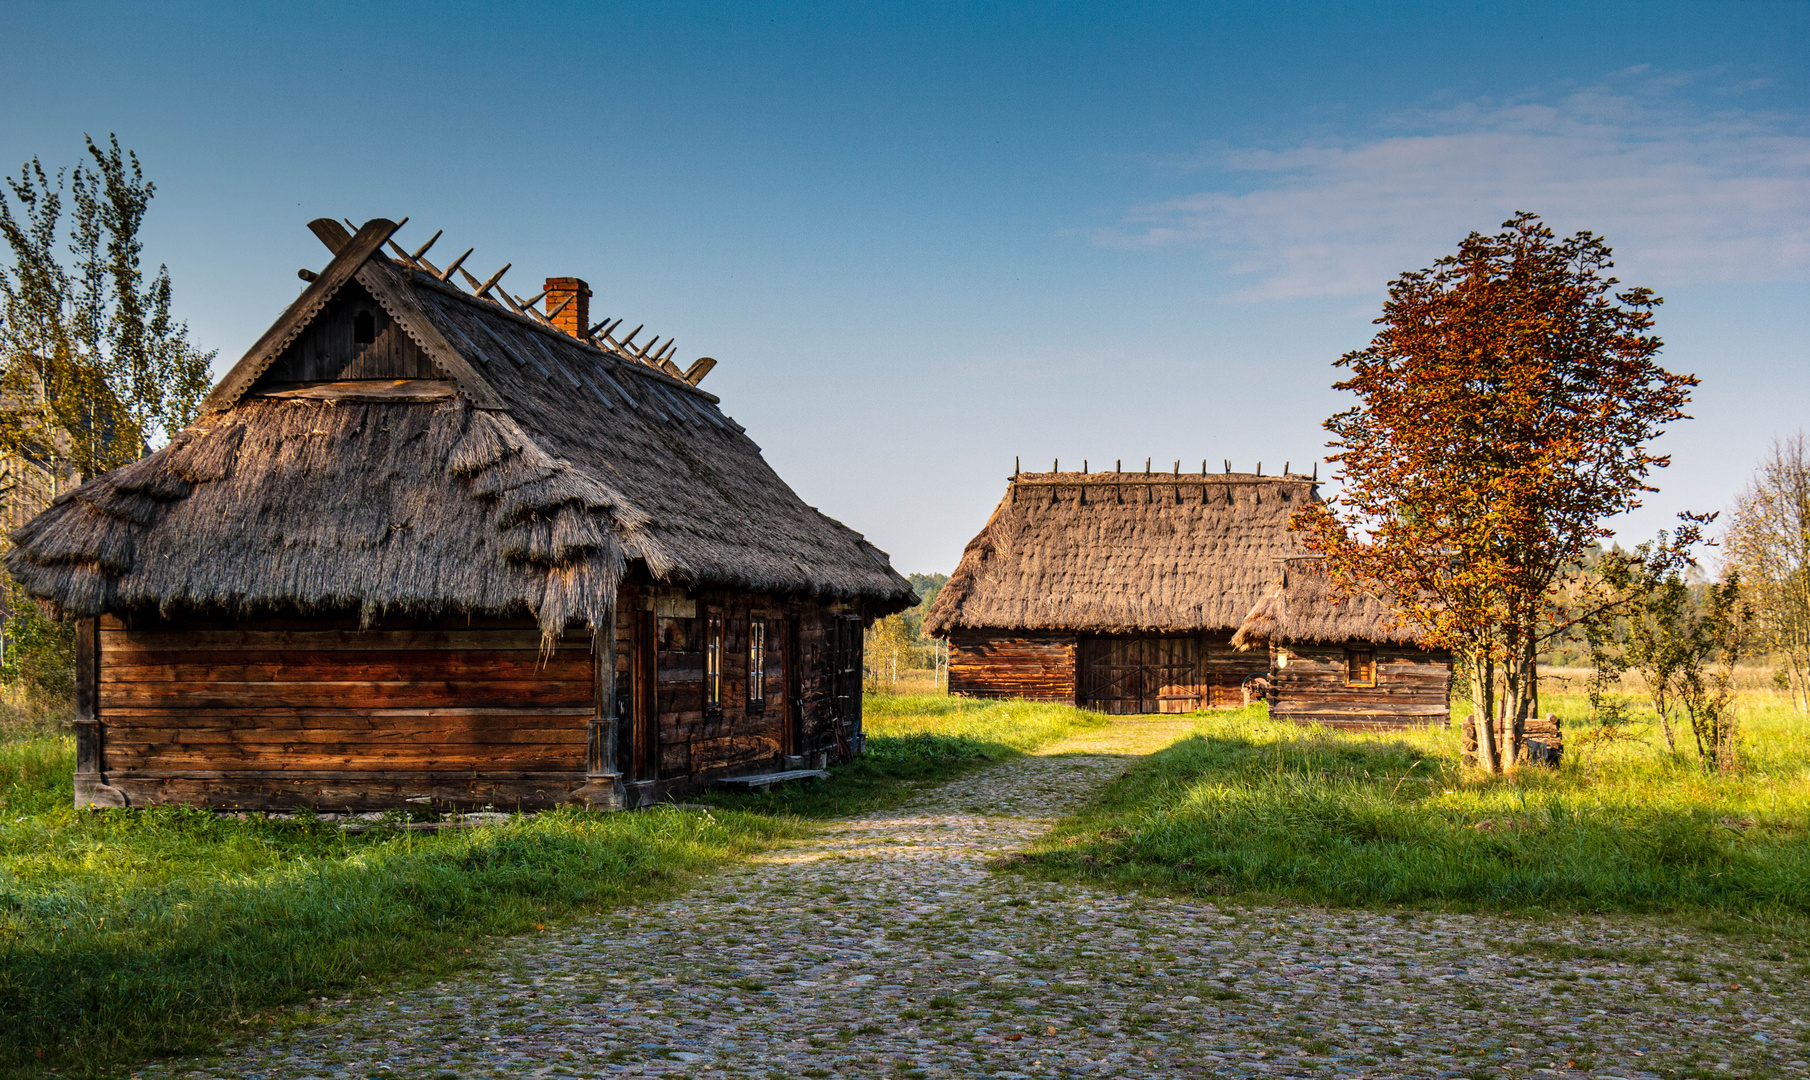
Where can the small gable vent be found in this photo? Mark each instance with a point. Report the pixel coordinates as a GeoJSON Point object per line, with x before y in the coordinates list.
{"type": "Point", "coordinates": [364, 328]}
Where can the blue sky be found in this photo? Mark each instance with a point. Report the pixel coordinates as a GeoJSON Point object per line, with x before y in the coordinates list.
{"type": "Point", "coordinates": [925, 239]}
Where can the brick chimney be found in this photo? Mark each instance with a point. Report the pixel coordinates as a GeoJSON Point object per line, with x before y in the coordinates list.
{"type": "Point", "coordinates": [576, 318]}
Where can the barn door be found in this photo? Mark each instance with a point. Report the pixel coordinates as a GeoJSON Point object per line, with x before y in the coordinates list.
{"type": "Point", "coordinates": [1112, 674]}
{"type": "Point", "coordinates": [1140, 675]}
{"type": "Point", "coordinates": [1171, 681]}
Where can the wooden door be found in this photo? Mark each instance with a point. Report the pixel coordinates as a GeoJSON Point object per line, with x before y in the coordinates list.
{"type": "Point", "coordinates": [1140, 675]}
{"type": "Point", "coordinates": [845, 682]}
{"type": "Point", "coordinates": [644, 705]}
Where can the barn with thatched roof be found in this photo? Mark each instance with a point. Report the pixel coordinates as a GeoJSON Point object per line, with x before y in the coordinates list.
{"type": "Point", "coordinates": [1340, 659]}
{"type": "Point", "coordinates": [1118, 591]}
{"type": "Point", "coordinates": [437, 545]}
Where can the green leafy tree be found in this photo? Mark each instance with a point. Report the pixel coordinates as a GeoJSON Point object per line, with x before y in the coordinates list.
{"type": "Point", "coordinates": [93, 362]}
{"type": "Point", "coordinates": [94, 368]}
{"type": "Point", "coordinates": [1769, 544]}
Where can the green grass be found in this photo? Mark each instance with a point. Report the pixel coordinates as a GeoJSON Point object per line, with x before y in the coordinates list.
{"type": "Point", "coordinates": [1267, 810]}
{"type": "Point", "coordinates": [125, 936]}
{"type": "Point", "coordinates": [130, 935]}
{"type": "Point", "coordinates": [917, 740]}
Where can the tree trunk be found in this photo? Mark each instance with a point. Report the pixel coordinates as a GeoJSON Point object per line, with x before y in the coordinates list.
{"type": "Point", "coordinates": [1483, 679]}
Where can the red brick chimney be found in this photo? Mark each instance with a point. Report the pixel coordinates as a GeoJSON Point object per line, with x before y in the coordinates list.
{"type": "Point", "coordinates": [575, 319]}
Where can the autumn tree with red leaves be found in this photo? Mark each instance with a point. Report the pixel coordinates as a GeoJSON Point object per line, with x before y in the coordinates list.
{"type": "Point", "coordinates": [1505, 409]}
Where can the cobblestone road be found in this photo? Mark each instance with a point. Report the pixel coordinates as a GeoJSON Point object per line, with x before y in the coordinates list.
{"type": "Point", "coordinates": [885, 947]}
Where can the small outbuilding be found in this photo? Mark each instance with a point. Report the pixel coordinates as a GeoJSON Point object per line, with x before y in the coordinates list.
{"type": "Point", "coordinates": [433, 544]}
{"type": "Point", "coordinates": [1341, 660]}
{"type": "Point", "coordinates": [1118, 591]}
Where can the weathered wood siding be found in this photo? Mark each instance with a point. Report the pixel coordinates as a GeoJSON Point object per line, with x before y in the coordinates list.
{"type": "Point", "coordinates": [1412, 687]}
{"type": "Point", "coordinates": [669, 732]}
{"type": "Point", "coordinates": [329, 351]}
{"type": "Point", "coordinates": [279, 713]}
{"type": "Point", "coordinates": [1006, 663]}
{"type": "Point", "coordinates": [1170, 673]}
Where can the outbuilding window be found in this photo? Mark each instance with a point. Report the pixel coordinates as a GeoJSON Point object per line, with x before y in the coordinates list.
{"type": "Point", "coordinates": [757, 661]}
{"type": "Point", "coordinates": [713, 663]}
{"type": "Point", "coordinates": [364, 328]}
{"type": "Point", "coordinates": [1360, 667]}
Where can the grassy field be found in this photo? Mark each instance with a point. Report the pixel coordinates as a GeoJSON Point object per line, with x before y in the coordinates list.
{"type": "Point", "coordinates": [1250, 807]}
{"type": "Point", "coordinates": [128, 935]}
{"type": "Point", "coordinates": [920, 739]}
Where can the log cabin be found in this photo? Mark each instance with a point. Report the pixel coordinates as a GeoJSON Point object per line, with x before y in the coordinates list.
{"type": "Point", "coordinates": [1118, 591]}
{"type": "Point", "coordinates": [1342, 660]}
{"type": "Point", "coordinates": [437, 545]}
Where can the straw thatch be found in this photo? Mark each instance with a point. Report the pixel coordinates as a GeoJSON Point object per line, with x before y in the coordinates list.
{"type": "Point", "coordinates": [545, 467]}
{"type": "Point", "coordinates": [1123, 553]}
{"type": "Point", "coordinates": [1302, 605]}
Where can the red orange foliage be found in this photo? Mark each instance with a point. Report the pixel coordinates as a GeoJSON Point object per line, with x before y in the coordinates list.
{"type": "Point", "coordinates": [1505, 409]}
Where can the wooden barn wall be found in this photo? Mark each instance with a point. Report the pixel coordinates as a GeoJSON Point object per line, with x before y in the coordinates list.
{"type": "Point", "coordinates": [1413, 686]}
{"type": "Point", "coordinates": [278, 713]}
{"type": "Point", "coordinates": [1036, 665]}
{"type": "Point", "coordinates": [666, 731]}
{"type": "Point", "coordinates": [1168, 673]}
{"type": "Point", "coordinates": [328, 351]}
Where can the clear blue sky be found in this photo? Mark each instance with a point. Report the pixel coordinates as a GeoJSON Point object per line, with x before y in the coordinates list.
{"type": "Point", "coordinates": [923, 239]}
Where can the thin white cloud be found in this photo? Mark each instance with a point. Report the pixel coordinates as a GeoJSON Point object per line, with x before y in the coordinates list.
{"type": "Point", "coordinates": [1685, 192]}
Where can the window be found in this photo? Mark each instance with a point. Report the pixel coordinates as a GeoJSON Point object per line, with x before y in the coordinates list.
{"type": "Point", "coordinates": [713, 663]}
{"type": "Point", "coordinates": [757, 661]}
{"type": "Point", "coordinates": [364, 328]}
{"type": "Point", "coordinates": [1360, 667]}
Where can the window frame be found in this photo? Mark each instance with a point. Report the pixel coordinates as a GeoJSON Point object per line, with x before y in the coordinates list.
{"type": "Point", "coordinates": [713, 661]}
{"type": "Point", "coordinates": [757, 663]}
{"type": "Point", "coordinates": [1352, 652]}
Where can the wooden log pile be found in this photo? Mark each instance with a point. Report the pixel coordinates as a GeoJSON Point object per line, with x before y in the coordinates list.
{"type": "Point", "coordinates": [1543, 739]}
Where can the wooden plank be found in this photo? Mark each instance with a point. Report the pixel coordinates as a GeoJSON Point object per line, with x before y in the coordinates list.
{"type": "Point", "coordinates": [164, 640]}
{"type": "Point", "coordinates": [353, 792]}
{"type": "Point", "coordinates": [279, 716]}
{"type": "Point", "coordinates": [147, 738]}
{"type": "Point", "coordinates": [390, 390]}
{"type": "Point", "coordinates": [346, 694]}
{"type": "Point", "coordinates": [259, 666]}
{"type": "Point", "coordinates": [478, 757]}
{"type": "Point", "coordinates": [732, 750]}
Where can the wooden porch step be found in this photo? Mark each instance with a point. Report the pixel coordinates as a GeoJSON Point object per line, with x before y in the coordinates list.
{"type": "Point", "coordinates": [764, 781]}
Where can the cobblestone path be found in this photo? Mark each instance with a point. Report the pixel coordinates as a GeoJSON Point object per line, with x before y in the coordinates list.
{"type": "Point", "coordinates": [886, 947]}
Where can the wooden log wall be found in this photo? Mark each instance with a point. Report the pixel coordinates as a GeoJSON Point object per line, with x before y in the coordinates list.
{"type": "Point", "coordinates": [277, 713]}
{"type": "Point", "coordinates": [1413, 686]}
{"type": "Point", "coordinates": [669, 732]}
{"type": "Point", "coordinates": [1036, 665]}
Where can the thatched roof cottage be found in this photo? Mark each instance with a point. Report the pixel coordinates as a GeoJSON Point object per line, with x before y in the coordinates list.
{"type": "Point", "coordinates": [432, 544]}
{"type": "Point", "coordinates": [1118, 591]}
{"type": "Point", "coordinates": [1343, 660]}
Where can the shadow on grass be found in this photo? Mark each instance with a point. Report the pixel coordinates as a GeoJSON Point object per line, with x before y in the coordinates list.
{"type": "Point", "coordinates": [1351, 820]}
{"type": "Point", "coordinates": [894, 769]}
{"type": "Point", "coordinates": [127, 935]}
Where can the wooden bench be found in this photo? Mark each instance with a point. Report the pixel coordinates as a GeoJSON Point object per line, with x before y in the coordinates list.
{"type": "Point", "coordinates": [763, 782]}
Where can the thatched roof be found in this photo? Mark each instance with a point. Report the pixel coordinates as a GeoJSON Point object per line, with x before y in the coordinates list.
{"type": "Point", "coordinates": [1303, 605]}
{"type": "Point", "coordinates": [1123, 552]}
{"type": "Point", "coordinates": [526, 479]}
